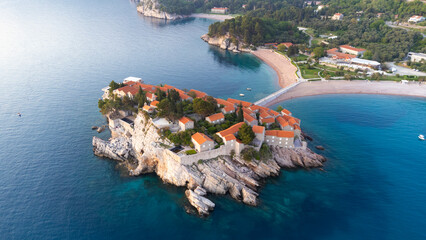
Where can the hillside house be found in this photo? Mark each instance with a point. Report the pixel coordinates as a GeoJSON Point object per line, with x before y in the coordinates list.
{"type": "Point", "coordinates": [202, 142]}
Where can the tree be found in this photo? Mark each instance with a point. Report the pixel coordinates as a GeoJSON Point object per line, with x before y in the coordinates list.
{"type": "Point", "coordinates": [240, 114]}
{"type": "Point", "coordinates": [140, 98]}
{"type": "Point", "coordinates": [368, 55]}
{"type": "Point", "coordinates": [246, 134]}
{"type": "Point", "coordinates": [319, 52]}
{"type": "Point", "coordinates": [113, 85]}
{"type": "Point", "coordinates": [347, 77]}
{"type": "Point", "coordinates": [282, 48]}
{"type": "Point", "coordinates": [292, 50]}
{"type": "Point", "coordinates": [160, 94]}
{"type": "Point", "coordinates": [203, 108]}
{"type": "Point", "coordinates": [279, 108]}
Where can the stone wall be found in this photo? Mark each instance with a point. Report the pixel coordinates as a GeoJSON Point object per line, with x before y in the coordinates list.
{"type": "Point", "coordinates": [191, 159]}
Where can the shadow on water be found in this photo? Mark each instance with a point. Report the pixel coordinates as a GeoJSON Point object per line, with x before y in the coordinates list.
{"type": "Point", "coordinates": [229, 59]}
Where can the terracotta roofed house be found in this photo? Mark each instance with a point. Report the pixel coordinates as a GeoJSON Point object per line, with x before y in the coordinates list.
{"type": "Point", "coordinates": [154, 103]}
{"type": "Point", "coordinates": [186, 123]}
{"type": "Point", "coordinates": [148, 109]}
{"type": "Point", "coordinates": [216, 118]}
{"type": "Point", "coordinates": [285, 112]}
{"type": "Point", "coordinates": [284, 124]}
{"type": "Point", "coordinates": [279, 138]}
{"type": "Point", "coordinates": [202, 142]}
{"type": "Point", "coordinates": [231, 130]}
{"type": "Point", "coordinates": [337, 16]}
{"type": "Point", "coordinates": [128, 90]}
{"type": "Point", "coordinates": [250, 120]}
{"type": "Point", "coordinates": [237, 102]}
{"type": "Point", "coordinates": [416, 19]}
{"type": "Point", "coordinates": [228, 107]}
{"type": "Point", "coordinates": [259, 131]}
{"type": "Point", "coordinates": [352, 50]}
{"type": "Point", "coordinates": [267, 121]}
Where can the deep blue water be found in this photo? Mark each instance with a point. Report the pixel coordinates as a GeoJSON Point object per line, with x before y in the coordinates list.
{"type": "Point", "coordinates": [55, 56]}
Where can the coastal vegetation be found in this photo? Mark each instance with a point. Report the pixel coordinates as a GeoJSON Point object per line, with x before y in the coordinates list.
{"type": "Point", "coordinates": [256, 30]}
{"type": "Point", "coordinates": [363, 25]}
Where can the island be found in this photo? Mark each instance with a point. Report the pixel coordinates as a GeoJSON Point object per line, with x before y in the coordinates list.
{"type": "Point", "coordinates": [205, 144]}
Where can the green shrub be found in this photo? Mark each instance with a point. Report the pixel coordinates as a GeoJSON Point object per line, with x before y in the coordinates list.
{"type": "Point", "coordinates": [191, 152]}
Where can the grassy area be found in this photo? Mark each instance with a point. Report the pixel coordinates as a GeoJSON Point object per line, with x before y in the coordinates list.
{"type": "Point", "coordinates": [300, 57]}
{"type": "Point", "coordinates": [307, 72]}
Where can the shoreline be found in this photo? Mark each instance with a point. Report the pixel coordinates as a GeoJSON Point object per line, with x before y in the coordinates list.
{"type": "Point", "coordinates": [211, 16]}
{"type": "Point", "coordinates": [284, 69]}
{"type": "Point", "coordinates": [315, 88]}
{"type": "Point", "coordinates": [286, 73]}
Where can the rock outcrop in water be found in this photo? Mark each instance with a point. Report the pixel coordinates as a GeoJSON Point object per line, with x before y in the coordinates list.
{"type": "Point", "coordinates": [142, 150]}
{"type": "Point", "coordinates": [224, 42]}
{"type": "Point", "coordinates": [151, 8]}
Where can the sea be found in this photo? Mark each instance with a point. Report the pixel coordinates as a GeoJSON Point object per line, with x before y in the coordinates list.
{"type": "Point", "coordinates": [55, 56]}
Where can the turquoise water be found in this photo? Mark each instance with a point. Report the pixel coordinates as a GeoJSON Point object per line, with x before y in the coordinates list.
{"type": "Point", "coordinates": [55, 56]}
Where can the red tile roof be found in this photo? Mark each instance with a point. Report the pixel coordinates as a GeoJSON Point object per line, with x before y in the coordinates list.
{"type": "Point", "coordinates": [281, 121]}
{"type": "Point", "coordinates": [236, 101]}
{"type": "Point", "coordinates": [352, 48]}
{"type": "Point", "coordinates": [230, 137]}
{"type": "Point", "coordinates": [229, 108]}
{"type": "Point", "coordinates": [198, 94]}
{"type": "Point", "coordinates": [258, 129]}
{"type": "Point", "coordinates": [154, 103]}
{"type": "Point", "coordinates": [248, 118]}
{"type": "Point", "coordinates": [287, 44]}
{"type": "Point", "coordinates": [279, 133]}
{"type": "Point", "coordinates": [185, 120]}
{"type": "Point", "coordinates": [231, 130]}
{"type": "Point", "coordinates": [267, 120]}
{"type": "Point", "coordinates": [286, 112]}
{"type": "Point", "coordinates": [200, 138]}
{"type": "Point", "coordinates": [215, 117]}
{"type": "Point", "coordinates": [129, 90]}
{"type": "Point", "coordinates": [264, 114]}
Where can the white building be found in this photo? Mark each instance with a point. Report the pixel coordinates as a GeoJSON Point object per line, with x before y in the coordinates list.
{"type": "Point", "coordinates": [352, 50]}
{"type": "Point", "coordinates": [337, 16]}
{"type": "Point", "coordinates": [186, 123]}
{"type": "Point", "coordinates": [132, 79]}
{"type": "Point", "coordinates": [416, 19]}
{"type": "Point", "coordinates": [417, 57]}
{"type": "Point", "coordinates": [221, 10]}
{"type": "Point", "coordinates": [202, 142]}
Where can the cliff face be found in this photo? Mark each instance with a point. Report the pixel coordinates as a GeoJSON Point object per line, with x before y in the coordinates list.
{"type": "Point", "coordinates": [224, 42]}
{"type": "Point", "coordinates": [151, 8]}
{"type": "Point", "coordinates": [143, 151]}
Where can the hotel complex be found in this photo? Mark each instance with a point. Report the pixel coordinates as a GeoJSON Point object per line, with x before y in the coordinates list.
{"type": "Point", "coordinates": [269, 127]}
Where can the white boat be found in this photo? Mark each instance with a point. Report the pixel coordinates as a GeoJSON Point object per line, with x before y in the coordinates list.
{"type": "Point", "coordinates": [248, 89]}
{"type": "Point", "coordinates": [421, 137]}
{"type": "Point", "coordinates": [241, 94]}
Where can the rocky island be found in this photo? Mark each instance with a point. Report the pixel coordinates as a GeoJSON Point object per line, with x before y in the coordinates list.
{"type": "Point", "coordinates": [208, 145]}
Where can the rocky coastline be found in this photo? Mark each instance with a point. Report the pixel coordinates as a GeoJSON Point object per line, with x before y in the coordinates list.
{"type": "Point", "coordinates": [151, 8]}
{"type": "Point", "coordinates": [143, 150]}
{"type": "Point", "coordinates": [225, 42]}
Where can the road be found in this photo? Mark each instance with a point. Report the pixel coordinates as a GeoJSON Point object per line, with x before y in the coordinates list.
{"type": "Point", "coordinates": [389, 24]}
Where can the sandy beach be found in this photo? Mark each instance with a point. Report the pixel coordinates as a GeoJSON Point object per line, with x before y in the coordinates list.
{"type": "Point", "coordinates": [352, 87]}
{"type": "Point", "coordinates": [212, 16]}
{"type": "Point", "coordinates": [285, 70]}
